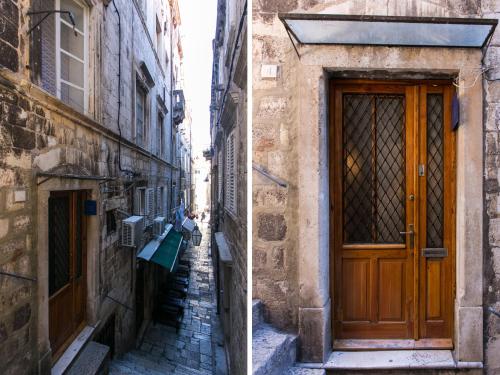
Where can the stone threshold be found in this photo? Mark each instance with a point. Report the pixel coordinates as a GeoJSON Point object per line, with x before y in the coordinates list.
{"type": "Point", "coordinates": [392, 360]}
{"type": "Point", "coordinates": [74, 349]}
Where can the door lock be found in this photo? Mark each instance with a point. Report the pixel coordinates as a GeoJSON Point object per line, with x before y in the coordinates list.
{"type": "Point", "coordinates": [411, 197]}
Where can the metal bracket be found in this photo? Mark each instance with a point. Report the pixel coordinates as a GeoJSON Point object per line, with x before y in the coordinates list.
{"type": "Point", "coordinates": [265, 173]}
{"type": "Point", "coordinates": [16, 276]}
{"type": "Point", "coordinates": [118, 302]}
{"type": "Point", "coordinates": [48, 13]}
{"type": "Point", "coordinates": [291, 40]}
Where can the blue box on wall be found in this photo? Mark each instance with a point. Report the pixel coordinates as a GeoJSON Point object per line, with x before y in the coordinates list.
{"type": "Point", "coordinates": [90, 208]}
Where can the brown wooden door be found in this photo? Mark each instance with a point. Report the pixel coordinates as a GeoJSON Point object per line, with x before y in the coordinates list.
{"type": "Point", "coordinates": [384, 288]}
{"type": "Point", "coordinates": [67, 265]}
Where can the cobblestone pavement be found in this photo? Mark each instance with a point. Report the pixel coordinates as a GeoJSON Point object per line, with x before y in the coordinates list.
{"type": "Point", "coordinates": [197, 347]}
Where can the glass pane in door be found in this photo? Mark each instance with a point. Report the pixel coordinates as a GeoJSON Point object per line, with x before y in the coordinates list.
{"type": "Point", "coordinates": [373, 168]}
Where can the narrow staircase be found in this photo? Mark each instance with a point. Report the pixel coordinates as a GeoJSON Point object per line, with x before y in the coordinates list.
{"type": "Point", "coordinates": [274, 352]}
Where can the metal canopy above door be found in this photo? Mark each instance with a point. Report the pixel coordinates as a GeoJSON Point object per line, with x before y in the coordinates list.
{"type": "Point", "coordinates": [388, 30]}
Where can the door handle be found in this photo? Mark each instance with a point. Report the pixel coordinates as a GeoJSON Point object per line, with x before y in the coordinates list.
{"type": "Point", "coordinates": [411, 232]}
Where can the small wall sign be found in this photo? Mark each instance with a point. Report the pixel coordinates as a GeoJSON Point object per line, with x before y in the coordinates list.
{"type": "Point", "coordinates": [90, 208]}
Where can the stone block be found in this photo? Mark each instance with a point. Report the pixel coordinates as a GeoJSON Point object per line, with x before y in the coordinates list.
{"type": "Point", "coordinates": [270, 6]}
{"type": "Point", "coordinates": [15, 115]}
{"type": "Point", "coordinates": [22, 138]}
{"type": "Point", "coordinates": [314, 333]}
{"type": "Point", "coordinates": [4, 227]}
{"type": "Point", "coordinates": [469, 341]}
{"type": "Point", "coordinates": [259, 258]}
{"type": "Point", "coordinates": [271, 227]}
{"type": "Point", "coordinates": [277, 258]}
{"type": "Point", "coordinates": [270, 196]}
{"type": "Point", "coordinates": [272, 107]}
{"type": "Point", "coordinates": [21, 317]}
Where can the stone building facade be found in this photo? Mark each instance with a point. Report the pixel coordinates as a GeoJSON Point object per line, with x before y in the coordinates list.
{"type": "Point", "coordinates": [292, 252]}
{"type": "Point", "coordinates": [89, 114]}
{"type": "Point", "coordinates": [228, 154]}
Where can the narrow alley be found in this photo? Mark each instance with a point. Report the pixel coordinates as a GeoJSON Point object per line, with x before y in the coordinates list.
{"type": "Point", "coordinates": [197, 348]}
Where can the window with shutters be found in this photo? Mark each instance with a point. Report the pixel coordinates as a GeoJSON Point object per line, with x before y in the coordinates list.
{"type": "Point", "coordinates": [71, 54]}
{"type": "Point", "coordinates": [220, 175]}
{"type": "Point", "coordinates": [230, 180]}
{"type": "Point", "coordinates": [140, 114]}
{"type": "Point", "coordinates": [140, 202]}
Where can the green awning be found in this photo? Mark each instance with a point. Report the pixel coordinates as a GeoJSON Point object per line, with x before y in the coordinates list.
{"type": "Point", "coordinates": [163, 250]}
{"type": "Point", "coordinates": [167, 254]}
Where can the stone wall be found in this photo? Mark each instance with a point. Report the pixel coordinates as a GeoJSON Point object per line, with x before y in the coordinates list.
{"type": "Point", "coordinates": [491, 259]}
{"type": "Point", "coordinates": [38, 133]}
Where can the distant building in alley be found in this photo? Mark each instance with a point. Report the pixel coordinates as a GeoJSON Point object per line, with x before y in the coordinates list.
{"type": "Point", "coordinates": [228, 128]}
{"type": "Point", "coordinates": [90, 111]}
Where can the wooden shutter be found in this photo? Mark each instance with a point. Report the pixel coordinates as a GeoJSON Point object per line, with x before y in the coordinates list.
{"type": "Point", "coordinates": [230, 198]}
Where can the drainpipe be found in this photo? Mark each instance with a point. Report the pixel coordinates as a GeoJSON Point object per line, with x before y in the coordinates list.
{"type": "Point", "coordinates": [120, 92]}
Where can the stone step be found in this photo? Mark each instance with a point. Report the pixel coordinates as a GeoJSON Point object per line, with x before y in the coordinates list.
{"type": "Point", "coordinates": [93, 360]}
{"type": "Point", "coordinates": [257, 313]}
{"type": "Point", "coordinates": [304, 371]}
{"type": "Point", "coordinates": [273, 352]}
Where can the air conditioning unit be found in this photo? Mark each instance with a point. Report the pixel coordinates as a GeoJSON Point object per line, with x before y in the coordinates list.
{"type": "Point", "coordinates": [132, 228]}
{"type": "Point", "coordinates": [159, 226]}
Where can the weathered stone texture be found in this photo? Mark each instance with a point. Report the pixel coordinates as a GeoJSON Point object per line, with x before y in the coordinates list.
{"type": "Point", "coordinates": [271, 227]}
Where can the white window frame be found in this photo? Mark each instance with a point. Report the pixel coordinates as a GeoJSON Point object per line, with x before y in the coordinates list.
{"type": "Point", "coordinates": [139, 208]}
{"type": "Point", "coordinates": [230, 201]}
{"type": "Point", "coordinates": [146, 118]}
{"type": "Point", "coordinates": [85, 61]}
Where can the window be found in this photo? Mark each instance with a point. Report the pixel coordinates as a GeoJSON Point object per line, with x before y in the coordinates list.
{"type": "Point", "coordinates": [160, 137]}
{"type": "Point", "coordinates": [230, 188]}
{"type": "Point", "coordinates": [140, 113]}
{"type": "Point", "coordinates": [220, 175]}
{"type": "Point", "coordinates": [159, 201]}
{"type": "Point", "coordinates": [140, 202]}
{"type": "Point", "coordinates": [71, 54]}
{"type": "Point", "coordinates": [110, 222]}
{"type": "Point", "coordinates": [158, 36]}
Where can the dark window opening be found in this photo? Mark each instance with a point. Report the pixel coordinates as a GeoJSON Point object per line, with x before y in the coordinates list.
{"type": "Point", "coordinates": [110, 222]}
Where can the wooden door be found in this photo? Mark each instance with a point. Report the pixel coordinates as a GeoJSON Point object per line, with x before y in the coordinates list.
{"type": "Point", "coordinates": [67, 265]}
{"type": "Point", "coordinates": [383, 282]}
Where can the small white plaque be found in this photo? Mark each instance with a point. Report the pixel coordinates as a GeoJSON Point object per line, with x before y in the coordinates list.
{"type": "Point", "coordinates": [269, 71]}
{"type": "Point", "coordinates": [19, 196]}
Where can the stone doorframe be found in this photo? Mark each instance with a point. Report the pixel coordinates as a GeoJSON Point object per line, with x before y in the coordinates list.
{"type": "Point", "coordinates": [316, 66]}
{"type": "Point", "coordinates": [42, 258]}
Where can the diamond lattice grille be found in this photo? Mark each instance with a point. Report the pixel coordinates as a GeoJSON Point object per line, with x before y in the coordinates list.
{"type": "Point", "coordinates": [59, 255]}
{"type": "Point", "coordinates": [373, 168]}
{"type": "Point", "coordinates": [435, 169]}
